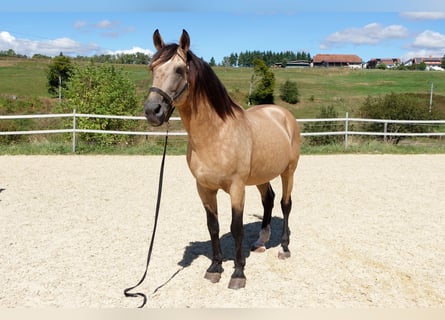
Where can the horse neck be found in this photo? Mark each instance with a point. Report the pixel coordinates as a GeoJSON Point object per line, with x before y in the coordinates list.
{"type": "Point", "coordinates": [201, 122]}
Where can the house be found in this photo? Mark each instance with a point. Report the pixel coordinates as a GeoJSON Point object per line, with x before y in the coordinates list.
{"type": "Point", "coordinates": [429, 61]}
{"type": "Point", "coordinates": [294, 64]}
{"type": "Point", "coordinates": [388, 62]}
{"type": "Point", "coordinates": [337, 60]}
{"type": "Point", "coordinates": [298, 64]}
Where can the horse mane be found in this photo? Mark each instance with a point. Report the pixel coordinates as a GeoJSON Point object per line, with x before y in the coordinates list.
{"type": "Point", "coordinates": [203, 82]}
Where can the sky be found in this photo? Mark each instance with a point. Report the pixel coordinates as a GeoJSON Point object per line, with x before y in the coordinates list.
{"type": "Point", "coordinates": [376, 29]}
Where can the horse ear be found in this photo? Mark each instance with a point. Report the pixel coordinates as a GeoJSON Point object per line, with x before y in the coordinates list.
{"type": "Point", "coordinates": [184, 42]}
{"type": "Point", "coordinates": [157, 40]}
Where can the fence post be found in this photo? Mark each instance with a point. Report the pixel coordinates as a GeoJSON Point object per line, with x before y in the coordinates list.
{"type": "Point", "coordinates": [346, 130]}
{"type": "Point", "coordinates": [385, 130]}
{"type": "Point", "coordinates": [74, 131]}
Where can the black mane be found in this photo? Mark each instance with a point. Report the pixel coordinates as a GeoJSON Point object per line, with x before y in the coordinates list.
{"type": "Point", "coordinates": [203, 82]}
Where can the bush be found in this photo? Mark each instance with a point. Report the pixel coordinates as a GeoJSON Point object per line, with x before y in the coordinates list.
{"type": "Point", "coordinates": [289, 92]}
{"type": "Point", "coordinates": [325, 126]}
{"type": "Point", "coordinates": [397, 107]}
{"type": "Point", "coordinates": [102, 89]}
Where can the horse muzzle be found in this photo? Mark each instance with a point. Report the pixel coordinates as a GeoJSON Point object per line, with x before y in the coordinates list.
{"type": "Point", "coordinates": [157, 112]}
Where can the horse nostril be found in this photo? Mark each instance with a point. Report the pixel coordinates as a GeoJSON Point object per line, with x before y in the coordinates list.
{"type": "Point", "coordinates": [158, 109]}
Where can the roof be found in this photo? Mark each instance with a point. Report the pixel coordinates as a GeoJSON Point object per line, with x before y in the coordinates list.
{"type": "Point", "coordinates": [337, 58]}
{"type": "Point", "coordinates": [387, 61]}
{"type": "Point", "coordinates": [428, 60]}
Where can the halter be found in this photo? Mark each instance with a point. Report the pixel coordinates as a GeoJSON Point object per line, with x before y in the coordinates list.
{"type": "Point", "coordinates": [171, 100]}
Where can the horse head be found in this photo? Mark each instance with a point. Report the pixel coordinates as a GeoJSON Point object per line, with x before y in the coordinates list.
{"type": "Point", "coordinates": [170, 84]}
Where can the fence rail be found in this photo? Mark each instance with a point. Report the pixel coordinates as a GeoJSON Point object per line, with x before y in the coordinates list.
{"type": "Point", "coordinates": [346, 132]}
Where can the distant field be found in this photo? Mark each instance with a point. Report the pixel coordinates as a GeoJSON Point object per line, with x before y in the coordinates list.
{"type": "Point", "coordinates": [342, 88]}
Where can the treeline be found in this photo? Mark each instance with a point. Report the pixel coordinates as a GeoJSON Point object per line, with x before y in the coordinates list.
{"type": "Point", "coordinates": [246, 58]}
{"type": "Point", "coordinates": [10, 53]}
{"type": "Point", "coordinates": [120, 58]}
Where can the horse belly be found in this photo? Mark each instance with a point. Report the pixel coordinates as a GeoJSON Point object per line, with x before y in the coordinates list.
{"type": "Point", "coordinates": [275, 148]}
{"type": "Point", "coordinates": [266, 167]}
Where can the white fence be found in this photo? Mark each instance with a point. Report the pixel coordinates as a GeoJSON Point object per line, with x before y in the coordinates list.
{"type": "Point", "coordinates": [346, 132]}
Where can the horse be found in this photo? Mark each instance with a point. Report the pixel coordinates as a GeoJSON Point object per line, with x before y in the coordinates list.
{"type": "Point", "coordinates": [229, 147]}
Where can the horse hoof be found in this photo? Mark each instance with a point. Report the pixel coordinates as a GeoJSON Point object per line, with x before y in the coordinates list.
{"type": "Point", "coordinates": [213, 277]}
{"type": "Point", "coordinates": [258, 249]}
{"type": "Point", "coordinates": [237, 283]}
{"type": "Point", "coordinates": [283, 254]}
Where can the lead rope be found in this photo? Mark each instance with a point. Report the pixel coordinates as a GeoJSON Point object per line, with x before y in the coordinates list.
{"type": "Point", "coordinates": [158, 203]}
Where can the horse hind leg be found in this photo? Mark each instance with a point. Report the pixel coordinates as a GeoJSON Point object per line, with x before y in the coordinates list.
{"type": "Point", "coordinates": [287, 179]}
{"type": "Point", "coordinates": [267, 198]}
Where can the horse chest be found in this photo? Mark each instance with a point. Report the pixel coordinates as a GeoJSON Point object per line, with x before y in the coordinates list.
{"type": "Point", "coordinates": [216, 170]}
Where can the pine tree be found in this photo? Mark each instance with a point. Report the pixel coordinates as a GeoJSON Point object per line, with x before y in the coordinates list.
{"type": "Point", "coordinates": [264, 80]}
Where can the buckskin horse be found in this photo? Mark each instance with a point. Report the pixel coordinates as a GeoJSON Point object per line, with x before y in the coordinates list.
{"type": "Point", "coordinates": [228, 147]}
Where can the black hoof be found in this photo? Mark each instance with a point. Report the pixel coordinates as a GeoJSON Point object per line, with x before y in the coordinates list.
{"type": "Point", "coordinates": [213, 277]}
{"type": "Point", "coordinates": [237, 283]}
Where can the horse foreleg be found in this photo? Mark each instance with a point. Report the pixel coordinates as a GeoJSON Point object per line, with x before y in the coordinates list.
{"type": "Point", "coordinates": [238, 279]}
{"type": "Point", "coordinates": [208, 198]}
{"type": "Point", "coordinates": [267, 198]}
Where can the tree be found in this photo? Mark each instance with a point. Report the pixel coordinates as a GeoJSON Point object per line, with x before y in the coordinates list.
{"type": "Point", "coordinates": [421, 66]}
{"type": "Point", "coordinates": [58, 74]}
{"type": "Point", "coordinates": [8, 53]}
{"type": "Point", "coordinates": [289, 92]}
{"type": "Point", "coordinates": [381, 66]}
{"type": "Point", "coordinates": [443, 62]}
{"type": "Point", "coordinates": [284, 63]}
{"type": "Point", "coordinates": [264, 81]}
{"type": "Point", "coordinates": [212, 62]}
{"type": "Point", "coordinates": [102, 89]}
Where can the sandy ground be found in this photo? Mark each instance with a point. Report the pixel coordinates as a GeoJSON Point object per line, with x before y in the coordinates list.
{"type": "Point", "coordinates": [367, 231]}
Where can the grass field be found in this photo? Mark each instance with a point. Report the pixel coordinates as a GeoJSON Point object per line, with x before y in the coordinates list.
{"type": "Point", "coordinates": [340, 87]}
{"type": "Point", "coordinates": [23, 91]}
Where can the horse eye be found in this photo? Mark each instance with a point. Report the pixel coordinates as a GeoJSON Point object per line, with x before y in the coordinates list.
{"type": "Point", "coordinates": [180, 71]}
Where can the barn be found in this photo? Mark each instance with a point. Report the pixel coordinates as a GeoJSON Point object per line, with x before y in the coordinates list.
{"type": "Point", "coordinates": [337, 60]}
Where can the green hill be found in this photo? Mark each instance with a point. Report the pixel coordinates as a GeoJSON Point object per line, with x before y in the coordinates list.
{"type": "Point", "coordinates": [342, 88]}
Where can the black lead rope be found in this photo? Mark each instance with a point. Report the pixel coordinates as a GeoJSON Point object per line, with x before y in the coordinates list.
{"type": "Point", "coordinates": [158, 203]}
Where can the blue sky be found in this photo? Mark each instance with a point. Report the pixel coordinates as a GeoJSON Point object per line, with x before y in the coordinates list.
{"type": "Point", "coordinates": [383, 29]}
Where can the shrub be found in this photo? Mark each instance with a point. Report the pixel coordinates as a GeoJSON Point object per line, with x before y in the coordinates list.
{"type": "Point", "coordinates": [102, 89]}
{"type": "Point", "coordinates": [289, 92]}
{"type": "Point", "coordinates": [325, 126]}
{"type": "Point", "coordinates": [396, 107]}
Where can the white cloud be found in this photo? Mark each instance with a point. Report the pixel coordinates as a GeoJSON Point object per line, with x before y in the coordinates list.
{"type": "Point", "coordinates": [427, 44]}
{"type": "Point", "coordinates": [430, 40]}
{"type": "Point", "coordinates": [106, 24]}
{"type": "Point", "coordinates": [6, 37]}
{"type": "Point", "coordinates": [51, 47]}
{"type": "Point", "coordinates": [423, 15]}
{"type": "Point", "coordinates": [369, 34]}
{"type": "Point", "coordinates": [80, 24]}
{"type": "Point", "coordinates": [131, 51]}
